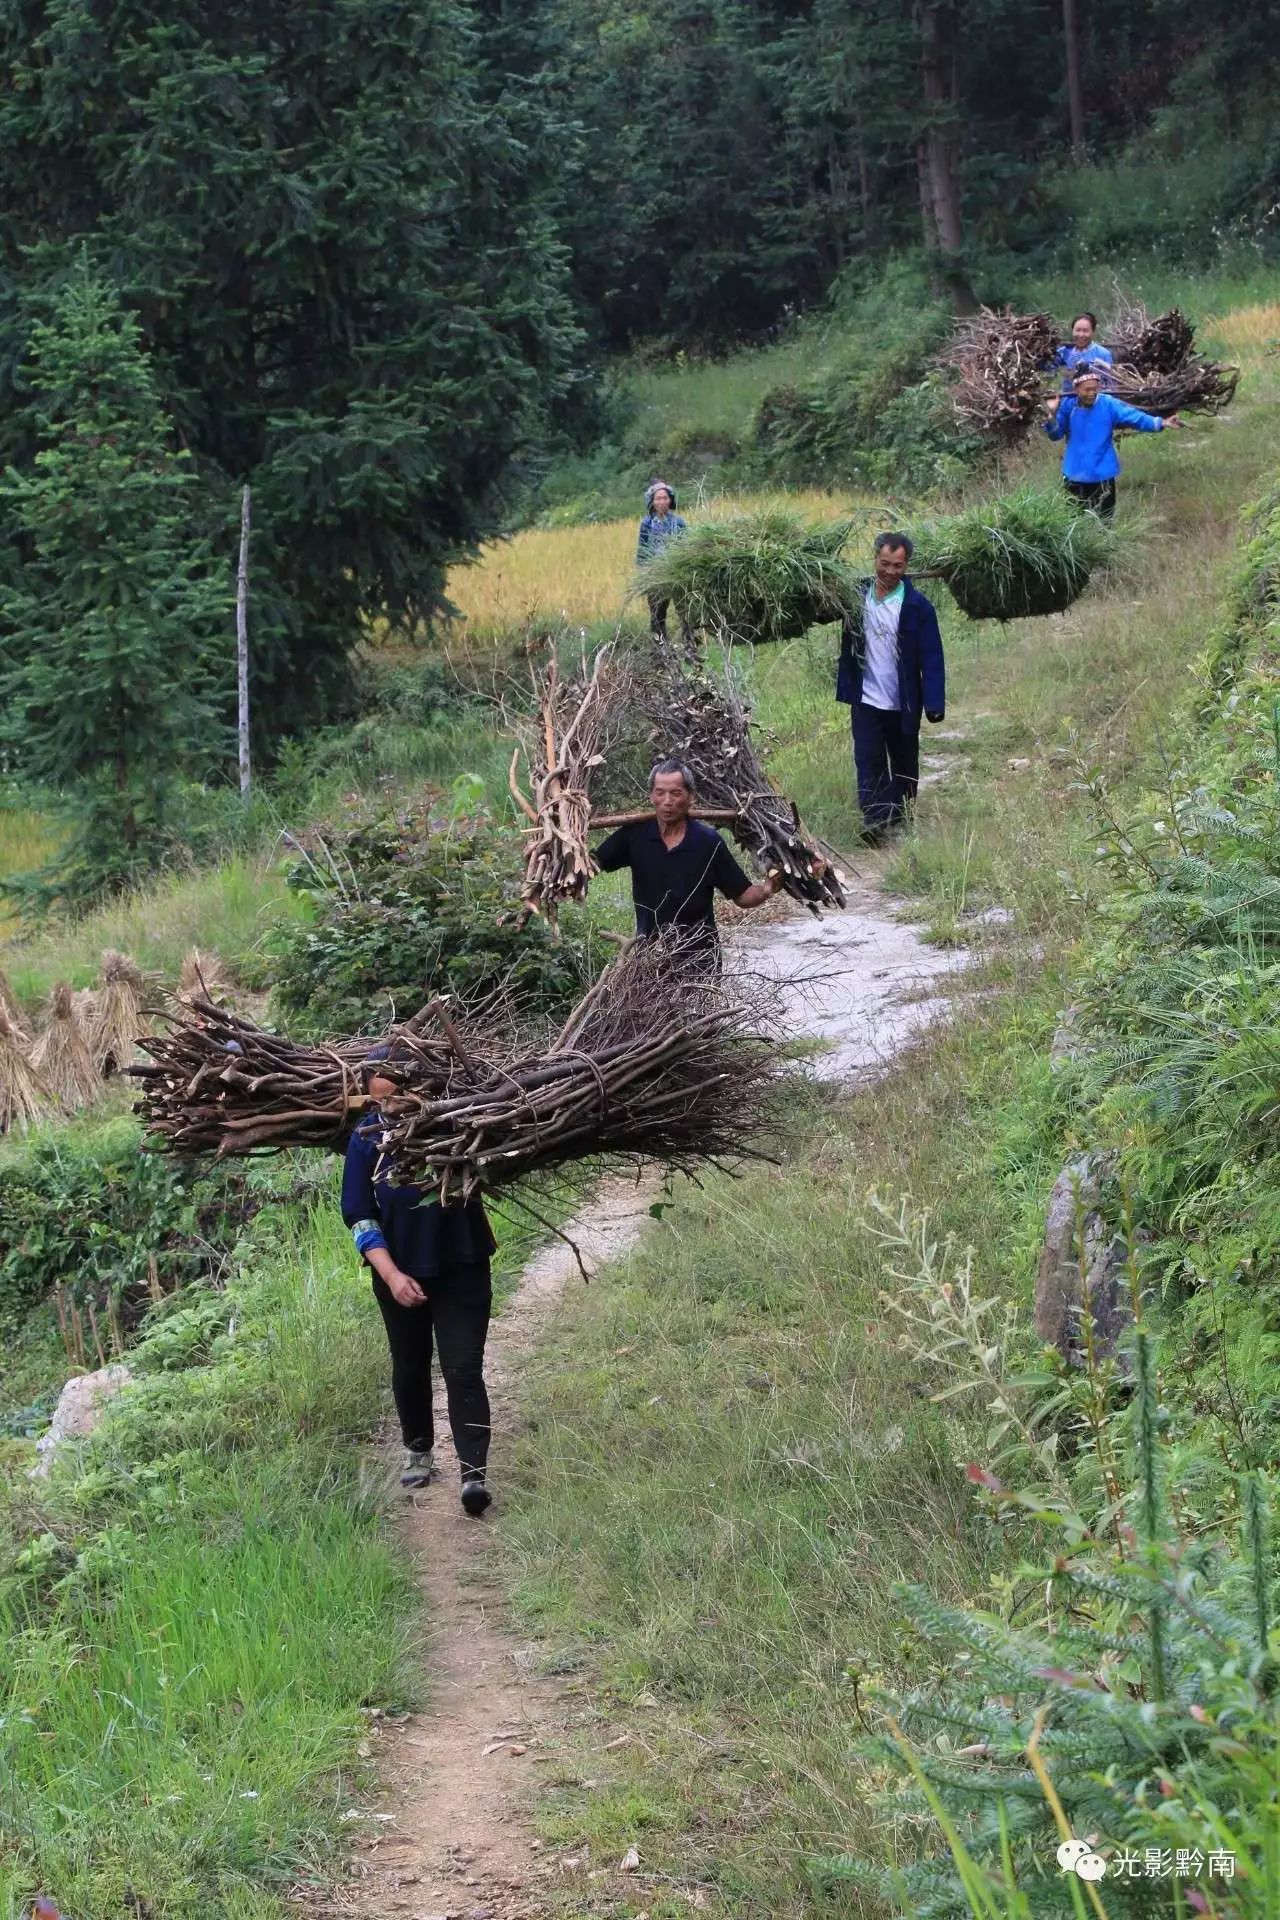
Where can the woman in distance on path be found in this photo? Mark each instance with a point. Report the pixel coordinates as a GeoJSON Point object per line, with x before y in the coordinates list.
{"type": "Point", "coordinates": [1087, 419]}
{"type": "Point", "coordinates": [430, 1267]}
{"type": "Point", "coordinates": [660, 525]}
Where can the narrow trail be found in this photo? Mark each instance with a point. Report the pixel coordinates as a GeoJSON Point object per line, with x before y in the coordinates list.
{"type": "Point", "coordinates": [450, 1836]}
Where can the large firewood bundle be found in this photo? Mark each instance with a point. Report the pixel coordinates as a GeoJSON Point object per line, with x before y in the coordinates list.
{"type": "Point", "coordinates": [576, 719]}
{"type": "Point", "coordinates": [998, 359]}
{"type": "Point", "coordinates": [1156, 367]}
{"type": "Point", "coordinates": [701, 719]}
{"type": "Point", "coordinates": [658, 1061]}
{"type": "Point", "coordinates": [216, 1083]}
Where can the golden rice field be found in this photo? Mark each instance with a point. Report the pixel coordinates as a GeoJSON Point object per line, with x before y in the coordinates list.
{"type": "Point", "coordinates": [1247, 327]}
{"type": "Point", "coordinates": [580, 575]}
{"type": "Point", "coordinates": [25, 842]}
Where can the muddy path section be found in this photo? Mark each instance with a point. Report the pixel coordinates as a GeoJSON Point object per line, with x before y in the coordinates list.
{"type": "Point", "coordinates": [450, 1837]}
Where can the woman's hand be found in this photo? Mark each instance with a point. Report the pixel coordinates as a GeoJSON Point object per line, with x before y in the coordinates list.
{"type": "Point", "coordinates": [405, 1288]}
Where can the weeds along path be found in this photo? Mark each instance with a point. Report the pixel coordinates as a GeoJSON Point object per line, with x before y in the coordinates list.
{"type": "Point", "coordinates": [452, 1829]}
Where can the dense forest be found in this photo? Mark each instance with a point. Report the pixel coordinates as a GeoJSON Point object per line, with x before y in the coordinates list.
{"type": "Point", "coordinates": [374, 262]}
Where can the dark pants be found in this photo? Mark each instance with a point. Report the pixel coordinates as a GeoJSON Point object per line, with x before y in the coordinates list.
{"type": "Point", "coordinates": [457, 1312]}
{"type": "Point", "coordinates": [658, 604]}
{"type": "Point", "coordinates": [887, 760]}
{"type": "Point", "coordinates": [1098, 495]}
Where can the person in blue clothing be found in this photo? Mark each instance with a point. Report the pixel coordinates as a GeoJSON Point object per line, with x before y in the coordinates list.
{"type": "Point", "coordinates": [430, 1267]}
{"type": "Point", "coordinates": [1083, 350]}
{"type": "Point", "coordinates": [661, 524]}
{"type": "Point", "coordinates": [891, 672]}
{"type": "Point", "coordinates": [1087, 419]}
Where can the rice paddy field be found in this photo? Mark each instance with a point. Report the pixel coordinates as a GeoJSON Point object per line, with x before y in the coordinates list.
{"type": "Point", "coordinates": [580, 576]}
{"type": "Point", "coordinates": [25, 842]}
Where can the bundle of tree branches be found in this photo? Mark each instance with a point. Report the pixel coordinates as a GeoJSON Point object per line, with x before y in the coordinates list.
{"type": "Point", "coordinates": [1156, 368]}
{"type": "Point", "coordinates": [219, 1084]}
{"type": "Point", "coordinates": [998, 360]}
{"type": "Point", "coordinates": [754, 577]}
{"type": "Point", "coordinates": [1146, 345]}
{"type": "Point", "coordinates": [575, 721]}
{"type": "Point", "coordinates": [703, 720]}
{"type": "Point", "coordinates": [1197, 386]}
{"type": "Point", "coordinates": [657, 1061]}
{"type": "Point", "coordinates": [1030, 552]}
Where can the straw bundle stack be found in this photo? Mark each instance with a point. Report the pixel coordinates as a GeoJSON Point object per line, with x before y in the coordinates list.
{"type": "Point", "coordinates": [62, 1055]}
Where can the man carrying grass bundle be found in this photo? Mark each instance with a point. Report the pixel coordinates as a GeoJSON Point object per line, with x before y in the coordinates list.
{"type": "Point", "coordinates": [891, 671]}
{"type": "Point", "coordinates": [1087, 419]}
{"type": "Point", "coordinates": [678, 865]}
{"type": "Point", "coordinates": [430, 1267]}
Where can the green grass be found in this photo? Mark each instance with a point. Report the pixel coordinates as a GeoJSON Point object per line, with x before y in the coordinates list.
{"type": "Point", "coordinates": [727, 1461]}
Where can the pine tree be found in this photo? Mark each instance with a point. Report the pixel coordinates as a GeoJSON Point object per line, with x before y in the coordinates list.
{"type": "Point", "coordinates": [330, 222]}
{"type": "Point", "coordinates": [107, 623]}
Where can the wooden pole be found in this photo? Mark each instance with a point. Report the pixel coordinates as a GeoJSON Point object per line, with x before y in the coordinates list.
{"type": "Point", "coordinates": [722, 816]}
{"type": "Point", "coordinates": [242, 645]}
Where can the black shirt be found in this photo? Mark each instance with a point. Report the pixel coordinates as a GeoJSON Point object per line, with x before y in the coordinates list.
{"type": "Point", "coordinates": [673, 886]}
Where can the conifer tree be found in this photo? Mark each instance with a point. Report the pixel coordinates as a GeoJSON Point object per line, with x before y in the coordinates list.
{"type": "Point", "coordinates": [107, 622]}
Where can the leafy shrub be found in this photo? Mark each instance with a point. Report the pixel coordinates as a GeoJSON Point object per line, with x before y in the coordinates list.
{"type": "Point", "coordinates": [406, 907]}
{"type": "Point", "coordinates": [88, 1211]}
{"type": "Point", "coordinates": [1140, 1691]}
{"type": "Point", "coordinates": [875, 412]}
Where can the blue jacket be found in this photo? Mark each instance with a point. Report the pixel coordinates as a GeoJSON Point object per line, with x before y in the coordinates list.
{"type": "Point", "coordinates": [922, 679]}
{"type": "Point", "coordinates": [1088, 431]}
{"type": "Point", "coordinates": [423, 1237]}
{"type": "Point", "coordinates": [1070, 357]}
{"type": "Point", "coordinates": [655, 531]}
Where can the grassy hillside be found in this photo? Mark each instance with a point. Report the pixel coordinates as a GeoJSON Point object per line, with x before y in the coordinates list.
{"type": "Point", "coordinates": [728, 1460]}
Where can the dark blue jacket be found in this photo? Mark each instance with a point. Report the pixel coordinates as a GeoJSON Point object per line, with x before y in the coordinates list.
{"type": "Point", "coordinates": [922, 679]}
{"type": "Point", "coordinates": [423, 1237]}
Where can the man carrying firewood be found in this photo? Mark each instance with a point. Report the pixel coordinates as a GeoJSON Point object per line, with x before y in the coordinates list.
{"type": "Point", "coordinates": [891, 672]}
{"type": "Point", "coordinates": [430, 1268]}
{"type": "Point", "coordinates": [678, 865]}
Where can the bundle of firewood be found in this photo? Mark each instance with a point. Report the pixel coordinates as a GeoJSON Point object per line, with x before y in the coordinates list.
{"type": "Point", "coordinates": [703, 721]}
{"type": "Point", "coordinates": [998, 359]}
{"type": "Point", "coordinates": [1149, 346]}
{"type": "Point", "coordinates": [216, 1083]}
{"type": "Point", "coordinates": [575, 721]}
{"type": "Point", "coordinates": [656, 1061]}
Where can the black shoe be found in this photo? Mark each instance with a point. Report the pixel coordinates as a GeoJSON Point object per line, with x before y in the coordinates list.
{"type": "Point", "coordinates": [475, 1495]}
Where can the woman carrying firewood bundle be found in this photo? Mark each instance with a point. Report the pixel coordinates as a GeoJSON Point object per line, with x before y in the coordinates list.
{"type": "Point", "coordinates": [1083, 349]}
{"type": "Point", "coordinates": [430, 1269]}
{"type": "Point", "coordinates": [1087, 419]}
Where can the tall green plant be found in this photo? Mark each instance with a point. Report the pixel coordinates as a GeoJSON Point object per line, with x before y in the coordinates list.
{"type": "Point", "coordinates": [110, 610]}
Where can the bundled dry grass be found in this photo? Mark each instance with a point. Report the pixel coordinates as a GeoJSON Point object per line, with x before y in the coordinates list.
{"type": "Point", "coordinates": [998, 360]}
{"type": "Point", "coordinates": [9, 1001]}
{"type": "Point", "coordinates": [62, 1055]}
{"type": "Point", "coordinates": [24, 1096]}
{"type": "Point", "coordinates": [202, 977]}
{"type": "Point", "coordinates": [118, 1012]}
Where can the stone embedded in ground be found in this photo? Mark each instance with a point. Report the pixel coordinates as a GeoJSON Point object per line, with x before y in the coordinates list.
{"type": "Point", "coordinates": [1083, 1266]}
{"type": "Point", "coordinates": [78, 1412]}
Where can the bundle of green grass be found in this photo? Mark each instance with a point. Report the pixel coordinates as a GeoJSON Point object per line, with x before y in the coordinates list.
{"type": "Point", "coordinates": [1030, 552]}
{"type": "Point", "coordinates": [755, 577]}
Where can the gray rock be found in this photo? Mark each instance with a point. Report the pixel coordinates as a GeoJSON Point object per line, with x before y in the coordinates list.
{"type": "Point", "coordinates": [1082, 1266]}
{"type": "Point", "coordinates": [1069, 1042]}
{"type": "Point", "coordinates": [78, 1412]}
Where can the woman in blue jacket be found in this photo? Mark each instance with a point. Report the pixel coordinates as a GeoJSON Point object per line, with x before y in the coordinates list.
{"type": "Point", "coordinates": [1087, 419]}
{"type": "Point", "coordinates": [1083, 349]}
